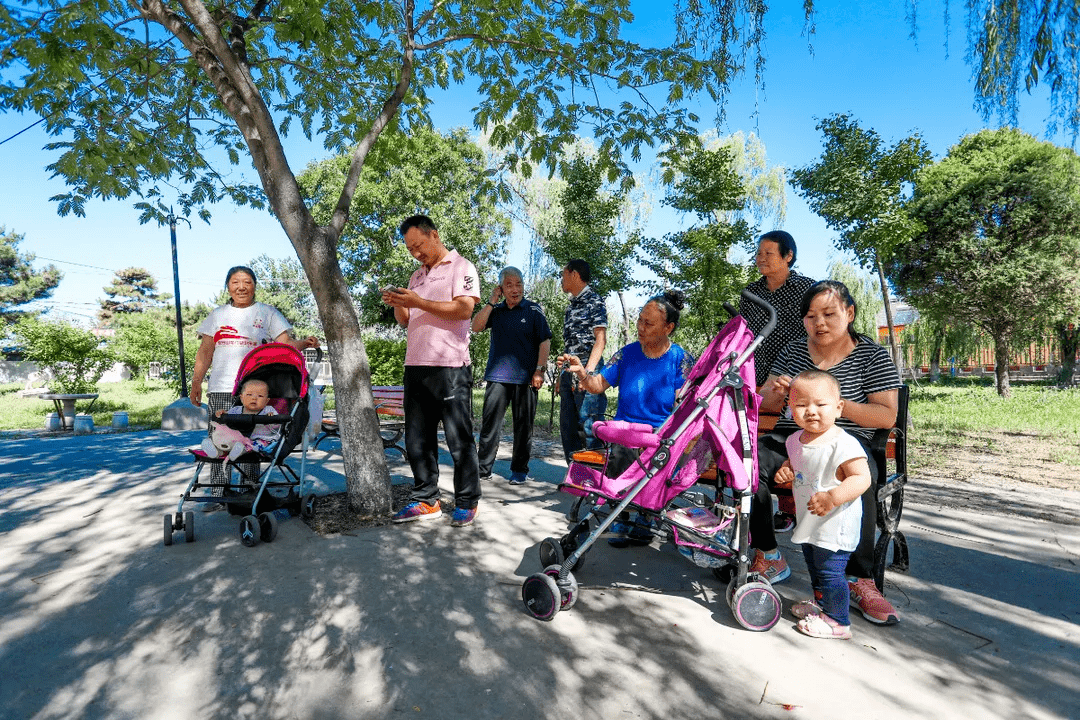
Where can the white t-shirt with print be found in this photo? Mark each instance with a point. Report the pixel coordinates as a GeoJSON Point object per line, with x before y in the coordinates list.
{"type": "Point", "coordinates": [236, 331]}
{"type": "Point", "coordinates": [815, 469]}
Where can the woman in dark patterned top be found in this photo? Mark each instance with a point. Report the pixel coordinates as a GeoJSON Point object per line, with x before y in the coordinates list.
{"type": "Point", "coordinates": [869, 385]}
{"type": "Point", "coordinates": [781, 287]}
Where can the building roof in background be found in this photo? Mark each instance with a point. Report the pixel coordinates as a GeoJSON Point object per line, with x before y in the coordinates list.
{"type": "Point", "coordinates": [903, 314]}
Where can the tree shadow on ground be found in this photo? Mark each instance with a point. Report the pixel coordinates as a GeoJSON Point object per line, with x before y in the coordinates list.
{"type": "Point", "coordinates": [101, 620]}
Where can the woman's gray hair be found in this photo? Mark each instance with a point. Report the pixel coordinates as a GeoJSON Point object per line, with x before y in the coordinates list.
{"type": "Point", "coordinates": [510, 270]}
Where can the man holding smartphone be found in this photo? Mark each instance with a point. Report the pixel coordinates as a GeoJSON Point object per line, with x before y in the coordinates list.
{"type": "Point", "coordinates": [435, 311]}
{"type": "Point", "coordinates": [517, 361]}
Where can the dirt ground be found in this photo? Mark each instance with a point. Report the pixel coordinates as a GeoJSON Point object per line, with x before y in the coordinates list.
{"type": "Point", "coordinates": [995, 456]}
{"type": "Point", "coordinates": [998, 472]}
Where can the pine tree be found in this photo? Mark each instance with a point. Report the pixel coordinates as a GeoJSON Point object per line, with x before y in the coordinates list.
{"type": "Point", "coordinates": [19, 282]}
{"type": "Point", "coordinates": [133, 290]}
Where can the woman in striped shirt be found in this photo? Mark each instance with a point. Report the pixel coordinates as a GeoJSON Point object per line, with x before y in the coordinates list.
{"type": "Point", "coordinates": [868, 384]}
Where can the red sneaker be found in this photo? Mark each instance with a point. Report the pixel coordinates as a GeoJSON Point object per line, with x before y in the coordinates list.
{"type": "Point", "coordinates": [867, 599]}
{"type": "Point", "coordinates": [775, 571]}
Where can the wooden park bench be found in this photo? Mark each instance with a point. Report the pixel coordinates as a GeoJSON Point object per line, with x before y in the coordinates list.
{"type": "Point", "coordinates": [390, 407]}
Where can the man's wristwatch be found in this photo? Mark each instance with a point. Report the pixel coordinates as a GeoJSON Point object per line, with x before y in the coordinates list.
{"type": "Point", "coordinates": [540, 367]}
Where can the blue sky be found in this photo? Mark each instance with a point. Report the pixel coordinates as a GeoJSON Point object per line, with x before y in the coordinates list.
{"type": "Point", "coordinates": [863, 63]}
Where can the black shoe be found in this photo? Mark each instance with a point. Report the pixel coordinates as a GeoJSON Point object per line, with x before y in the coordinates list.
{"type": "Point", "coordinates": [783, 522]}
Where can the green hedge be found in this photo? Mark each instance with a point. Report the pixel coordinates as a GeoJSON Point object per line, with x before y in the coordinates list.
{"type": "Point", "coordinates": [387, 360]}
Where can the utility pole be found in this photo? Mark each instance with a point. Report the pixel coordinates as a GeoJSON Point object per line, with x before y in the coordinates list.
{"type": "Point", "coordinates": [176, 295]}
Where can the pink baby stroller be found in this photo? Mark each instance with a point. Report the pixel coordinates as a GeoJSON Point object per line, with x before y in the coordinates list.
{"type": "Point", "coordinates": [283, 369]}
{"type": "Point", "coordinates": [714, 420]}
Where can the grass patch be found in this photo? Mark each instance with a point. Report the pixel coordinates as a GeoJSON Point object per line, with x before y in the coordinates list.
{"type": "Point", "coordinates": [142, 401]}
{"type": "Point", "coordinates": [960, 406]}
{"type": "Point", "coordinates": [547, 410]}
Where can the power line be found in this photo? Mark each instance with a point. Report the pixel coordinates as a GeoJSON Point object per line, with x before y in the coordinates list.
{"type": "Point", "coordinates": [68, 262]}
{"type": "Point", "coordinates": [28, 127]}
{"type": "Point", "coordinates": [112, 271]}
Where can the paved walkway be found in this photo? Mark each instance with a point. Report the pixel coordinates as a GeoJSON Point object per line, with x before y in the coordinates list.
{"type": "Point", "coordinates": [99, 620]}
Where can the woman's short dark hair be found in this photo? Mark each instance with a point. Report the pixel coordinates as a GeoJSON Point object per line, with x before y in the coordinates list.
{"type": "Point", "coordinates": [581, 267]}
{"type": "Point", "coordinates": [840, 290]}
{"type": "Point", "coordinates": [421, 222]}
{"type": "Point", "coordinates": [784, 240]}
{"type": "Point", "coordinates": [671, 302]}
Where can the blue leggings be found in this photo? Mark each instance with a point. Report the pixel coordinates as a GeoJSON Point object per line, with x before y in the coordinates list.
{"type": "Point", "coordinates": [829, 581]}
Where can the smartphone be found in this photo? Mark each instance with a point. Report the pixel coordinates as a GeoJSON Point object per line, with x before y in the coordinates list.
{"type": "Point", "coordinates": [390, 289]}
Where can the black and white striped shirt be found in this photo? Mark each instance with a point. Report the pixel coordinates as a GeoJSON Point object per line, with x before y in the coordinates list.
{"type": "Point", "coordinates": [866, 370]}
{"type": "Point", "coordinates": [789, 326]}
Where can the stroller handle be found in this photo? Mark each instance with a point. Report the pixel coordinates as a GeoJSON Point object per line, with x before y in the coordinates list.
{"type": "Point", "coordinates": [771, 324]}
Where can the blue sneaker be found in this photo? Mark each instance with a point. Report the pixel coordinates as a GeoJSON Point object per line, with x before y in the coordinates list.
{"type": "Point", "coordinates": [518, 478]}
{"type": "Point", "coordinates": [417, 511]}
{"type": "Point", "coordinates": [463, 517]}
{"type": "Point", "coordinates": [627, 534]}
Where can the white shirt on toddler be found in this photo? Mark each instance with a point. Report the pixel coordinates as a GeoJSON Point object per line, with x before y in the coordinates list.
{"type": "Point", "coordinates": [815, 469]}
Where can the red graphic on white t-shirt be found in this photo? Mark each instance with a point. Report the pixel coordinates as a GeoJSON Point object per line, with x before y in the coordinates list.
{"type": "Point", "coordinates": [228, 332]}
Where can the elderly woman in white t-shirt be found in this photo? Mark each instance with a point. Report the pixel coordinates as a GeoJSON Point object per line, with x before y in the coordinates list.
{"type": "Point", "coordinates": [227, 334]}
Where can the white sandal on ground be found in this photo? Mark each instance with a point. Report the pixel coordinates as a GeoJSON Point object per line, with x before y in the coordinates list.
{"type": "Point", "coordinates": [803, 608]}
{"type": "Point", "coordinates": [824, 627]}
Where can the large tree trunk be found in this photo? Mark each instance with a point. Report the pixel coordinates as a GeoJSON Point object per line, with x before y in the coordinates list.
{"type": "Point", "coordinates": [1001, 365]}
{"type": "Point", "coordinates": [366, 475]}
{"type": "Point", "coordinates": [225, 64]}
{"type": "Point", "coordinates": [1069, 338]}
{"type": "Point", "coordinates": [894, 350]}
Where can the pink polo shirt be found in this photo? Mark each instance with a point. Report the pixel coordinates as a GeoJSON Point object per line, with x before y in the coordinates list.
{"type": "Point", "coordinates": [432, 340]}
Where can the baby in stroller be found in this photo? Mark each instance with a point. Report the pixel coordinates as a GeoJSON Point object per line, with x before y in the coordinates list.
{"type": "Point", "coordinates": [273, 407]}
{"type": "Point", "coordinates": [255, 400]}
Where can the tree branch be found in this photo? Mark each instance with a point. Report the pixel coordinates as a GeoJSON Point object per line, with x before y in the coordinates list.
{"type": "Point", "coordinates": [490, 40]}
{"type": "Point", "coordinates": [428, 14]}
{"type": "Point", "coordinates": [389, 108]}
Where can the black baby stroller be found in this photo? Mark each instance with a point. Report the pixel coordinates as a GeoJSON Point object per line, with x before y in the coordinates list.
{"type": "Point", "coordinates": [714, 422]}
{"type": "Point", "coordinates": [283, 369]}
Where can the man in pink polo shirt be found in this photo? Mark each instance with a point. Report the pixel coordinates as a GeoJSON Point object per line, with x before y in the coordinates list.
{"type": "Point", "coordinates": [436, 310]}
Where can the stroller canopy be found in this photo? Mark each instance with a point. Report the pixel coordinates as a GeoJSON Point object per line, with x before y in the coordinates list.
{"type": "Point", "coordinates": [281, 366]}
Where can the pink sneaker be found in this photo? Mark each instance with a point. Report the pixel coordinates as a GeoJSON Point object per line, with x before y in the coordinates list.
{"type": "Point", "coordinates": [867, 599]}
{"type": "Point", "coordinates": [775, 571]}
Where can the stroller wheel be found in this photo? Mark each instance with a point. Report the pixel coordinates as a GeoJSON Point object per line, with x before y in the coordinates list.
{"type": "Point", "coordinates": [267, 526]}
{"type": "Point", "coordinates": [168, 530]}
{"type": "Point", "coordinates": [249, 531]}
{"type": "Point", "coordinates": [307, 505]}
{"type": "Point", "coordinates": [541, 596]}
{"type": "Point", "coordinates": [755, 605]}
{"type": "Point", "coordinates": [551, 552]}
{"type": "Point", "coordinates": [189, 526]}
{"type": "Point", "coordinates": [574, 540]}
{"type": "Point", "coordinates": [568, 591]}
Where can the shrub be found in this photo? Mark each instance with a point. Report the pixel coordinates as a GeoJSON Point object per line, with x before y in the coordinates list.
{"type": "Point", "coordinates": [152, 338]}
{"type": "Point", "coordinates": [387, 360]}
{"type": "Point", "coordinates": [74, 357]}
